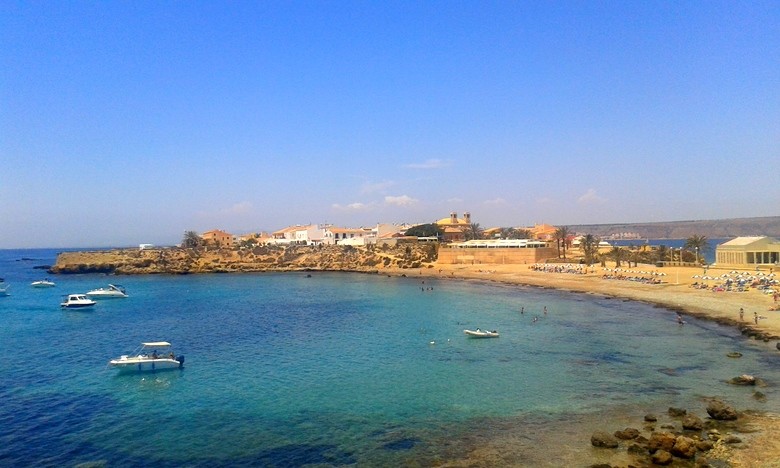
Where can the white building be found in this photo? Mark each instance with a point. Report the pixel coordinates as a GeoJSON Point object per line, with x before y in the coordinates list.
{"type": "Point", "coordinates": [750, 252]}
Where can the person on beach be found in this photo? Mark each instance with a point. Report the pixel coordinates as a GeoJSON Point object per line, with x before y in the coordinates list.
{"type": "Point", "coordinates": [755, 317]}
{"type": "Point", "coordinates": [545, 310]}
{"type": "Point", "coordinates": [741, 314]}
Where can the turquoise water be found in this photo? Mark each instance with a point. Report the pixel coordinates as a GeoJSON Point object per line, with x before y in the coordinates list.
{"type": "Point", "coordinates": [337, 369]}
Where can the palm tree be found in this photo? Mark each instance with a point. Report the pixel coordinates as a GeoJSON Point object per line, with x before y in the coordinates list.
{"type": "Point", "coordinates": [617, 254]}
{"type": "Point", "coordinates": [191, 240]}
{"type": "Point", "coordinates": [562, 237]}
{"type": "Point", "coordinates": [662, 253]}
{"type": "Point", "coordinates": [473, 231]}
{"type": "Point", "coordinates": [700, 243]}
{"type": "Point", "coordinates": [590, 248]}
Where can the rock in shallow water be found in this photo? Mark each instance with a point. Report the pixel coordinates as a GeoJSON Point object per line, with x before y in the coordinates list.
{"type": "Point", "coordinates": [721, 411]}
{"type": "Point", "coordinates": [603, 439]}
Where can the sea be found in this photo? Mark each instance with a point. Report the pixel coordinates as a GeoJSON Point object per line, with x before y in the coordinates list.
{"type": "Point", "coordinates": [708, 254]}
{"type": "Point", "coordinates": [345, 369]}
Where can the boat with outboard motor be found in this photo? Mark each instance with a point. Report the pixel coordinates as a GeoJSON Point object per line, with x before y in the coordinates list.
{"type": "Point", "coordinates": [150, 356]}
{"type": "Point", "coordinates": [111, 292]}
{"type": "Point", "coordinates": [481, 333]}
{"type": "Point", "coordinates": [77, 301]}
{"type": "Point", "coordinates": [44, 283]}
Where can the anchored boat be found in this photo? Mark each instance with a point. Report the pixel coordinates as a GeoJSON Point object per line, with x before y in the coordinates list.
{"type": "Point", "coordinates": [151, 356]}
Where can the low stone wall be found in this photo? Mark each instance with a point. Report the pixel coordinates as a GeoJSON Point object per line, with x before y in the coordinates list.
{"type": "Point", "coordinates": [453, 256]}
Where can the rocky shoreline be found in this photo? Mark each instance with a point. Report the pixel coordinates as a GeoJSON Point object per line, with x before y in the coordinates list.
{"type": "Point", "coordinates": [258, 259]}
{"type": "Point", "coordinates": [680, 438]}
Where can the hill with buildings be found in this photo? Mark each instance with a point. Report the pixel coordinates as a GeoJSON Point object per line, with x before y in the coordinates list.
{"type": "Point", "coordinates": [713, 228]}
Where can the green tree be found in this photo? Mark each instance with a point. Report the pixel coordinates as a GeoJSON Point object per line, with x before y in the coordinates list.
{"type": "Point", "coordinates": [698, 244]}
{"type": "Point", "coordinates": [473, 231]}
{"type": "Point", "coordinates": [662, 253]}
{"type": "Point", "coordinates": [514, 233]}
{"type": "Point", "coordinates": [191, 240]}
{"type": "Point", "coordinates": [617, 254]}
{"type": "Point", "coordinates": [590, 248]}
{"type": "Point", "coordinates": [561, 237]}
{"type": "Point", "coordinates": [425, 230]}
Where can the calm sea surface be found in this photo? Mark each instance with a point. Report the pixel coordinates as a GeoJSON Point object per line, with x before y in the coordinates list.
{"type": "Point", "coordinates": [340, 369]}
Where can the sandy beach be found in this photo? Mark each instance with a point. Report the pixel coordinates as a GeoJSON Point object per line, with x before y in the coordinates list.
{"type": "Point", "coordinates": [677, 292]}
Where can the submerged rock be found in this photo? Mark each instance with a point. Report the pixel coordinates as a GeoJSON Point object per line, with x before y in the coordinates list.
{"type": "Point", "coordinates": [628, 433]}
{"type": "Point", "coordinates": [721, 411]}
{"type": "Point", "coordinates": [603, 439]}
{"type": "Point", "coordinates": [743, 379]}
{"type": "Point", "coordinates": [692, 422]}
{"type": "Point", "coordinates": [677, 412]}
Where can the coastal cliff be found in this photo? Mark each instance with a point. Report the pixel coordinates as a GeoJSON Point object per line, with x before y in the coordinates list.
{"type": "Point", "coordinates": [262, 258]}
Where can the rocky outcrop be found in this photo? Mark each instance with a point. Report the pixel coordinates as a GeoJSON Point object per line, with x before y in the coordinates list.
{"type": "Point", "coordinates": [262, 258]}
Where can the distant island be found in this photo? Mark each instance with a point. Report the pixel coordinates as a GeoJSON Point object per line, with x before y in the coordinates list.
{"type": "Point", "coordinates": [713, 228]}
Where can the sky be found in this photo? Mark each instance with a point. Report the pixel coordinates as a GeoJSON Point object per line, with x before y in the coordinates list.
{"type": "Point", "coordinates": [131, 122]}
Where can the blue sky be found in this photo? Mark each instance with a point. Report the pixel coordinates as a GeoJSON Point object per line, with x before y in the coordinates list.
{"type": "Point", "coordinates": [130, 122]}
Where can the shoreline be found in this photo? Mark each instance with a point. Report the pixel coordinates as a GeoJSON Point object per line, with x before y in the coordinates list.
{"type": "Point", "coordinates": [675, 293]}
{"type": "Point", "coordinates": [763, 439]}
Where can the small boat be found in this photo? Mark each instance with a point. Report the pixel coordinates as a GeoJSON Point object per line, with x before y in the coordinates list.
{"type": "Point", "coordinates": [43, 284]}
{"type": "Point", "coordinates": [111, 292]}
{"type": "Point", "coordinates": [481, 333]}
{"type": "Point", "coordinates": [4, 289]}
{"type": "Point", "coordinates": [75, 301]}
{"type": "Point", "coordinates": [152, 356]}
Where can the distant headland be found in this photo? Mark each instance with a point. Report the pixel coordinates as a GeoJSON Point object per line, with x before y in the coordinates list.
{"type": "Point", "coordinates": [713, 228]}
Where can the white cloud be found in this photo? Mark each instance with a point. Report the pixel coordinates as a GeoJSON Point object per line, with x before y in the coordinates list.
{"type": "Point", "coordinates": [496, 201]}
{"type": "Point", "coordinates": [403, 200]}
{"type": "Point", "coordinates": [370, 187]}
{"type": "Point", "coordinates": [590, 198]}
{"type": "Point", "coordinates": [429, 164]}
{"type": "Point", "coordinates": [357, 206]}
{"type": "Point", "coordinates": [239, 208]}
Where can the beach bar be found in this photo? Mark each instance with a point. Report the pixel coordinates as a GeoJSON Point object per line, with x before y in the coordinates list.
{"type": "Point", "coordinates": [748, 252]}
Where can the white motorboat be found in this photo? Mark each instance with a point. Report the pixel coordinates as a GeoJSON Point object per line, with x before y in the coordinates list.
{"type": "Point", "coordinates": [111, 292]}
{"type": "Point", "coordinates": [4, 289]}
{"type": "Point", "coordinates": [75, 301]}
{"type": "Point", "coordinates": [152, 356]}
{"type": "Point", "coordinates": [43, 284]}
{"type": "Point", "coordinates": [481, 333]}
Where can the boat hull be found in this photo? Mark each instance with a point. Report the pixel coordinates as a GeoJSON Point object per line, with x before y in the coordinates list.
{"type": "Point", "coordinates": [480, 334]}
{"type": "Point", "coordinates": [76, 306]}
{"type": "Point", "coordinates": [132, 364]}
{"type": "Point", "coordinates": [97, 295]}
